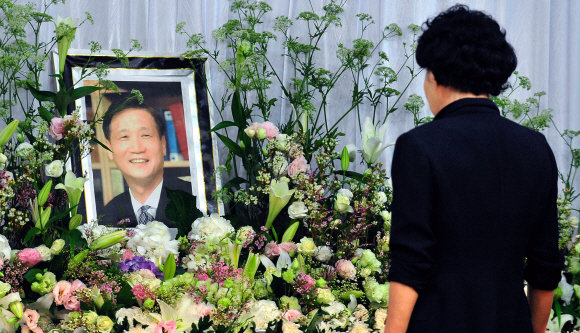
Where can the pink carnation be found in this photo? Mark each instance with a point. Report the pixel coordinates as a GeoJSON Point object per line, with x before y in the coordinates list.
{"type": "Point", "coordinates": [345, 269]}
{"type": "Point", "coordinates": [271, 130]}
{"type": "Point", "coordinates": [298, 165]}
{"type": "Point", "coordinates": [29, 257]}
{"type": "Point", "coordinates": [169, 326]}
{"type": "Point", "coordinates": [292, 315]}
{"type": "Point", "coordinates": [288, 247]}
{"type": "Point", "coordinates": [60, 290]}
{"type": "Point", "coordinates": [127, 255]}
{"type": "Point", "coordinates": [56, 128]}
{"type": "Point", "coordinates": [31, 318]}
{"type": "Point", "coordinates": [251, 131]}
{"type": "Point", "coordinates": [271, 250]}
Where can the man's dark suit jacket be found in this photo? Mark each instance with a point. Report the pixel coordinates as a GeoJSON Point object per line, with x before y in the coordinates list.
{"type": "Point", "coordinates": [474, 195]}
{"type": "Point", "coordinates": [120, 207]}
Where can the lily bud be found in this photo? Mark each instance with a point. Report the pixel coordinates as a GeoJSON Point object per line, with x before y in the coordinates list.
{"type": "Point", "coordinates": [344, 159]}
{"type": "Point", "coordinates": [17, 308]}
{"type": "Point", "coordinates": [108, 240]}
{"type": "Point", "coordinates": [79, 258]}
{"type": "Point", "coordinates": [290, 232]}
{"type": "Point", "coordinates": [74, 222]}
{"type": "Point", "coordinates": [7, 132]}
{"type": "Point", "coordinates": [44, 193]}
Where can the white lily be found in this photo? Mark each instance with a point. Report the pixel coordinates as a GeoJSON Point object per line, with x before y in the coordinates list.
{"type": "Point", "coordinates": [373, 139]}
{"type": "Point", "coordinates": [65, 33]}
{"type": "Point", "coordinates": [185, 313]}
{"type": "Point", "coordinates": [280, 194]}
{"type": "Point", "coordinates": [554, 326]}
{"type": "Point", "coordinates": [567, 290]}
{"type": "Point", "coordinates": [284, 262]}
{"type": "Point", "coordinates": [74, 188]}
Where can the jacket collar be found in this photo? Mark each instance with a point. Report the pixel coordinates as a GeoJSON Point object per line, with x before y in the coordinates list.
{"type": "Point", "coordinates": [466, 106]}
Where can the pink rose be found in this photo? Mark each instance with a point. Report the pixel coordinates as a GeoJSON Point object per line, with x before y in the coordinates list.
{"type": "Point", "coordinates": [271, 250]}
{"type": "Point", "coordinates": [26, 329]}
{"type": "Point", "coordinates": [271, 130]}
{"type": "Point", "coordinates": [127, 255]}
{"type": "Point", "coordinates": [169, 326]}
{"type": "Point", "coordinates": [29, 257]}
{"type": "Point", "coordinates": [71, 303]}
{"type": "Point", "coordinates": [292, 315]}
{"type": "Point", "coordinates": [251, 131]}
{"type": "Point", "coordinates": [298, 165]}
{"type": "Point", "coordinates": [288, 247]}
{"type": "Point", "coordinates": [146, 274]}
{"type": "Point", "coordinates": [345, 269]}
{"type": "Point", "coordinates": [31, 317]}
{"type": "Point", "coordinates": [60, 290]}
{"type": "Point", "coordinates": [56, 128]}
{"type": "Point", "coordinates": [77, 284]}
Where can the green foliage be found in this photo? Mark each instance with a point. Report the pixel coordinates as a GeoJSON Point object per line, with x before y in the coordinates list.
{"type": "Point", "coordinates": [182, 210]}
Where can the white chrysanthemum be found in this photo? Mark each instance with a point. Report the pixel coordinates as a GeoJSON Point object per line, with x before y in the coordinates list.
{"type": "Point", "coordinates": [4, 248]}
{"type": "Point", "coordinates": [359, 327]}
{"type": "Point", "coordinates": [261, 313]}
{"type": "Point", "coordinates": [380, 318]}
{"type": "Point", "coordinates": [323, 254]}
{"type": "Point", "coordinates": [290, 327]}
{"type": "Point", "coordinates": [153, 241]}
{"type": "Point", "coordinates": [210, 226]}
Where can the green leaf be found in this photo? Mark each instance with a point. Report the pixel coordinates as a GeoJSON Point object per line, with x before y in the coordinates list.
{"type": "Point", "coordinates": [237, 110]}
{"type": "Point", "coordinates": [55, 75]}
{"type": "Point", "coordinates": [350, 174]}
{"type": "Point", "coordinates": [569, 311]}
{"type": "Point", "coordinates": [125, 297]}
{"type": "Point", "coordinates": [61, 101]}
{"type": "Point", "coordinates": [223, 124]}
{"type": "Point", "coordinates": [312, 326]}
{"type": "Point", "coordinates": [82, 92]}
{"type": "Point", "coordinates": [232, 146]}
{"type": "Point", "coordinates": [30, 276]}
{"type": "Point", "coordinates": [100, 144]}
{"type": "Point", "coordinates": [169, 268]}
{"type": "Point", "coordinates": [41, 95]}
{"type": "Point", "coordinates": [45, 114]}
{"type": "Point", "coordinates": [181, 210]}
{"type": "Point", "coordinates": [31, 233]}
{"type": "Point", "coordinates": [235, 182]}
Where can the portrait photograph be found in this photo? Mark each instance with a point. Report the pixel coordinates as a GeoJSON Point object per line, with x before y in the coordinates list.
{"type": "Point", "coordinates": [157, 138]}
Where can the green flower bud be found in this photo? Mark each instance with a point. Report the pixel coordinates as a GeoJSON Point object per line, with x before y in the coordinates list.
{"type": "Point", "coordinates": [7, 132]}
{"type": "Point", "coordinates": [38, 276]}
{"type": "Point", "coordinates": [90, 317]}
{"type": "Point", "coordinates": [78, 258]}
{"type": "Point", "coordinates": [20, 137]}
{"type": "Point", "coordinates": [290, 302]}
{"type": "Point", "coordinates": [324, 296]}
{"type": "Point", "coordinates": [57, 246]}
{"type": "Point", "coordinates": [17, 308]}
{"type": "Point", "coordinates": [44, 193]}
{"type": "Point", "coordinates": [224, 301]}
{"type": "Point", "coordinates": [148, 303]}
{"type": "Point", "coordinates": [321, 283]}
{"type": "Point", "coordinates": [344, 159]}
{"type": "Point", "coordinates": [228, 283]}
{"type": "Point", "coordinates": [75, 222]}
{"type": "Point", "coordinates": [13, 320]}
{"type": "Point", "coordinates": [288, 276]}
{"type": "Point", "coordinates": [4, 288]}
{"type": "Point", "coordinates": [262, 133]}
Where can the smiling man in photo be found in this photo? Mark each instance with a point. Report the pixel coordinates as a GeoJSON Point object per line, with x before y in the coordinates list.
{"type": "Point", "coordinates": [135, 134]}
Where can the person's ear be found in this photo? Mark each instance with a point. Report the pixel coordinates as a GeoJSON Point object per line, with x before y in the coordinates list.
{"type": "Point", "coordinates": [109, 153]}
{"type": "Point", "coordinates": [163, 144]}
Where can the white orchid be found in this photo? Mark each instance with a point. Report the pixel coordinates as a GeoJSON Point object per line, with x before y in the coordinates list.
{"type": "Point", "coordinates": [373, 139]}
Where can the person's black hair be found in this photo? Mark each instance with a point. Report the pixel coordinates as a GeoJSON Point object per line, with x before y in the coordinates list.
{"type": "Point", "coordinates": [122, 104]}
{"type": "Point", "coordinates": [466, 50]}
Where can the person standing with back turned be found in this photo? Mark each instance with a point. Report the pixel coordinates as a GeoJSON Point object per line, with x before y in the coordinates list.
{"type": "Point", "coordinates": [474, 195]}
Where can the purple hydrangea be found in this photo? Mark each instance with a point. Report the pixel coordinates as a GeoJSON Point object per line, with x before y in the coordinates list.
{"type": "Point", "coordinates": [140, 262]}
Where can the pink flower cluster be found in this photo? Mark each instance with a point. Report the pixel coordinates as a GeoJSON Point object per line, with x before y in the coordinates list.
{"type": "Point", "coordinates": [262, 131]}
{"type": "Point", "coordinates": [169, 326]}
{"type": "Point", "coordinates": [63, 294]}
{"type": "Point", "coordinates": [142, 293]}
{"type": "Point", "coordinates": [304, 283]}
{"type": "Point", "coordinates": [29, 257]}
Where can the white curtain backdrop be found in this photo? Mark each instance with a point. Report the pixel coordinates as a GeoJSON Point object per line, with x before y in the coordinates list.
{"type": "Point", "coordinates": [543, 32]}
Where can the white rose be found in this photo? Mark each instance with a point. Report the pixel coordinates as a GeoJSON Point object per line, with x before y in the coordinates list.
{"type": "Point", "coordinates": [57, 246]}
{"type": "Point", "coordinates": [323, 254]}
{"type": "Point", "coordinates": [306, 246]}
{"type": "Point", "coordinates": [345, 193]}
{"type": "Point", "coordinates": [4, 248]}
{"type": "Point", "coordinates": [24, 149]}
{"type": "Point", "coordinates": [44, 252]}
{"type": "Point", "coordinates": [381, 197]}
{"type": "Point", "coordinates": [261, 313]}
{"type": "Point", "coordinates": [213, 226]}
{"type": "Point", "coordinates": [3, 160]}
{"type": "Point", "coordinates": [54, 169]}
{"type": "Point", "coordinates": [279, 166]}
{"type": "Point", "coordinates": [342, 204]}
{"type": "Point", "coordinates": [297, 210]}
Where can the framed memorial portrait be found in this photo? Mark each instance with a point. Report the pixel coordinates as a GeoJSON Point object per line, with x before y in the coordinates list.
{"type": "Point", "coordinates": [162, 143]}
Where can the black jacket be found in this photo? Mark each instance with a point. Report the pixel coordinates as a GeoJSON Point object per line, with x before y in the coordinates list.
{"type": "Point", "coordinates": [120, 207]}
{"type": "Point", "coordinates": [474, 195]}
